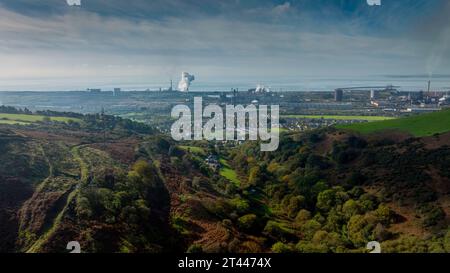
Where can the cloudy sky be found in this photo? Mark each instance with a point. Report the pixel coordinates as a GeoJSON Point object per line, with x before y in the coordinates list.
{"type": "Point", "coordinates": [49, 45]}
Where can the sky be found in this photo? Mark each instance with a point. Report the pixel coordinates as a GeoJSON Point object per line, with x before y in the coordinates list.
{"type": "Point", "coordinates": [49, 45]}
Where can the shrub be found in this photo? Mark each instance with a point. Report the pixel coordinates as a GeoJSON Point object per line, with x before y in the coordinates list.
{"type": "Point", "coordinates": [384, 214]}
{"type": "Point", "coordinates": [295, 204]}
{"type": "Point", "coordinates": [240, 205]}
{"type": "Point", "coordinates": [247, 222]}
{"type": "Point", "coordinates": [302, 216]}
{"type": "Point", "coordinates": [279, 247]}
{"type": "Point", "coordinates": [310, 228]}
{"type": "Point", "coordinates": [195, 249]}
{"type": "Point", "coordinates": [433, 217]}
{"type": "Point", "coordinates": [350, 208]}
{"type": "Point", "coordinates": [359, 230]}
{"type": "Point", "coordinates": [326, 200]}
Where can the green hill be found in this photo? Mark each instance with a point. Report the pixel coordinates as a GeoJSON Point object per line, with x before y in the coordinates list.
{"type": "Point", "coordinates": [418, 125]}
{"type": "Point", "coordinates": [129, 188]}
{"type": "Point", "coordinates": [27, 119]}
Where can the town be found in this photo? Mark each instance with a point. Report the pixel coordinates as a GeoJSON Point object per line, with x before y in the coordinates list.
{"type": "Point", "coordinates": [299, 110]}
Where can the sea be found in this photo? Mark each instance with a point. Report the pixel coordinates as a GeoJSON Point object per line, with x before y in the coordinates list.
{"type": "Point", "coordinates": [310, 83]}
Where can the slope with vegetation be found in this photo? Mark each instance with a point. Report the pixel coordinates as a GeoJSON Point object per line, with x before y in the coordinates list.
{"type": "Point", "coordinates": [418, 125]}
{"type": "Point", "coordinates": [119, 186]}
{"type": "Point", "coordinates": [331, 191]}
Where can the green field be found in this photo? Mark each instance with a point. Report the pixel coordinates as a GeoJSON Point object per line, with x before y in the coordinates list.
{"type": "Point", "coordinates": [13, 122]}
{"type": "Point", "coordinates": [227, 172]}
{"type": "Point", "coordinates": [193, 149]}
{"type": "Point", "coordinates": [23, 119]}
{"type": "Point", "coordinates": [337, 117]}
{"type": "Point", "coordinates": [419, 125]}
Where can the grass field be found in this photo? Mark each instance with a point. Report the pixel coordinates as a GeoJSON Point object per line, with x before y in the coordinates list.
{"type": "Point", "coordinates": [337, 117]}
{"type": "Point", "coordinates": [419, 125]}
{"type": "Point", "coordinates": [193, 149]}
{"type": "Point", "coordinates": [228, 173]}
{"type": "Point", "coordinates": [23, 119]}
{"type": "Point", "coordinates": [13, 122]}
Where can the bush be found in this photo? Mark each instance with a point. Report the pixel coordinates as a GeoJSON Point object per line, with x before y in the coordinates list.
{"type": "Point", "coordinates": [279, 247]}
{"type": "Point", "coordinates": [433, 217]}
{"type": "Point", "coordinates": [295, 204]}
{"type": "Point", "coordinates": [254, 177]}
{"type": "Point", "coordinates": [326, 200]}
{"type": "Point", "coordinates": [247, 222]}
{"type": "Point", "coordinates": [359, 230]}
{"type": "Point", "coordinates": [240, 205]}
{"type": "Point", "coordinates": [303, 216]}
{"type": "Point", "coordinates": [275, 230]}
{"type": "Point", "coordinates": [310, 228]}
{"type": "Point", "coordinates": [350, 208]}
{"type": "Point", "coordinates": [384, 214]}
{"type": "Point", "coordinates": [195, 249]}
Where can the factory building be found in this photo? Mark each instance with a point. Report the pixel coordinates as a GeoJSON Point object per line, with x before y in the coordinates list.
{"type": "Point", "coordinates": [94, 90]}
{"type": "Point", "coordinates": [338, 95]}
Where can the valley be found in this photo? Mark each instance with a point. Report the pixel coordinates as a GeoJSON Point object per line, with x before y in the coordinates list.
{"type": "Point", "coordinates": [115, 185]}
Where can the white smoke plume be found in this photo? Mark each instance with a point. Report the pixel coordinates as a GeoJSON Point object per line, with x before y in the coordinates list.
{"type": "Point", "coordinates": [185, 81]}
{"type": "Point", "coordinates": [74, 3]}
{"type": "Point", "coordinates": [438, 52]}
{"type": "Point", "coordinates": [261, 89]}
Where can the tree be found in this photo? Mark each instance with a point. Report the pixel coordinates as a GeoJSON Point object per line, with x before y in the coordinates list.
{"type": "Point", "coordinates": [194, 248]}
{"type": "Point", "coordinates": [241, 205]}
{"type": "Point", "coordinates": [142, 178]}
{"type": "Point", "coordinates": [254, 177]}
{"type": "Point", "coordinates": [359, 230]}
{"type": "Point", "coordinates": [302, 216]}
{"type": "Point", "coordinates": [350, 208]}
{"type": "Point", "coordinates": [279, 247]}
{"type": "Point", "coordinates": [84, 208]}
{"type": "Point", "coordinates": [162, 144]}
{"type": "Point", "coordinates": [310, 228]}
{"type": "Point", "coordinates": [335, 220]}
{"type": "Point", "coordinates": [295, 204]}
{"type": "Point", "coordinates": [384, 214]}
{"type": "Point", "coordinates": [326, 200]}
{"type": "Point", "coordinates": [247, 222]}
{"type": "Point", "coordinates": [434, 216]}
{"type": "Point", "coordinates": [447, 241]}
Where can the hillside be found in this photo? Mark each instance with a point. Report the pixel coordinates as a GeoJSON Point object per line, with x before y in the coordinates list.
{"type": "Point", "coordinates": [119, 186]}
{"type": "Point", "coordinates": [28, 119]}
{"type": "Point", "coordinates": [330, 191]}
{"type": "Point", "coordinates": [416, 125]}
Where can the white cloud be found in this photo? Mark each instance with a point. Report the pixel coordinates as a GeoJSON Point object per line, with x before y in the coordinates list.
{"type": "Point", "coordinates": [281, 9]}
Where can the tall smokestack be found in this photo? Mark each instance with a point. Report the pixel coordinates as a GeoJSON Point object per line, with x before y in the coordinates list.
{"type": "Point", "coordinates": [429, 86]}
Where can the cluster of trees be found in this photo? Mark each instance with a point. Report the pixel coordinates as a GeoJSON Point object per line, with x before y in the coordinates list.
{"type": "Point", "coordinates": [13, 110]}
{"type": "Point", "coordinates": [134, 203]}
{"type": "Point", "coordinates": [51, 113]}
{"type": "Point", "coordinates": [101, 122]}
{"type": "Point", "coordinates": [307, 213]}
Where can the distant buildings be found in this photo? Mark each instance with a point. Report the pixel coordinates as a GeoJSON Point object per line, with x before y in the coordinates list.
{"type": "Point", "coordinates": [116, 92]}
{"type": "Point", "coordinates": [422, 109]}
{"type": "Point", "coordinates": [338, 95]}
{"type": "Point", "coordinates": [94, 90]}
{"type": "Point", "coordinates": [213, 162]}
